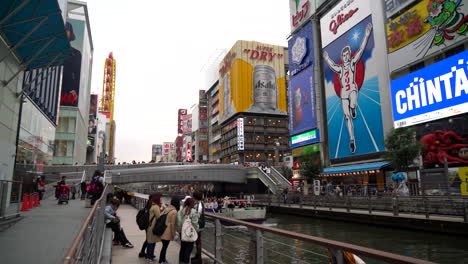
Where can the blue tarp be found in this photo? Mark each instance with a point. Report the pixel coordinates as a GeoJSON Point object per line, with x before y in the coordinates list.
{"type": "Point", "coordinates": [20, 23]}
{"type": "Point", "coordinates": [355, 168]}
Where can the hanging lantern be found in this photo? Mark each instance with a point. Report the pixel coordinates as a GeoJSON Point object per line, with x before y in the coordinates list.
{"type": "Point", "coordinates": [108, 69]}
{"type": "Point", "coordinates": [111, 55]}
{"type": "Point", "coordinates": [107, 87]}
{"type": "Point", "coordinates": [109, 61]}
{"type": "Point", "coordinates": [108, 78]}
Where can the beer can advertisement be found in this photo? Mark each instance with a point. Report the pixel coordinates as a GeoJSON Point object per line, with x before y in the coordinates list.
{"type": "Point", "coordinates": [428, 27]}
{"type": "Point", "coordinates": [351, 80]}
{"type": "Point", "coordinates": [72, 66]}
{"type": "Point", "coordinates": [252, 79]}
{"type": "Point", "coordinates": [302, 115]}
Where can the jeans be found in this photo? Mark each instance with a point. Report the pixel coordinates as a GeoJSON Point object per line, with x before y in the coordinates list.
{"type": "Point", "coordinates": [150, 250]}
{"type": "Point", "coordinates": [185, 250]}
{"type": "Point", "coordinates": [198, 255]}
{"type": "Point", "coordinates": [143, 248]}
{"type": "Point", "coordinates": [119, 234]}
{"type": "Point", "coordinates": [162, 255]}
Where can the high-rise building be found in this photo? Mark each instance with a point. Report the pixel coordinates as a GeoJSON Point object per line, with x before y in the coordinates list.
{"type": "Point", "coordinates": [253, 103]}
{"type": "Point", "coordinates": [72, 131]}
{"type": "Point", "coordinates": [30, 81]}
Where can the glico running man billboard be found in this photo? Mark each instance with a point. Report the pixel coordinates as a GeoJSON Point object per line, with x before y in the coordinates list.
{"type": "Point", "coordinates": [301, 85]}
{"type": "Point", "coordinates": [426, 28]}
{"type": "Point", "coordinates": [252, 79]}
{"type": "Point", "coordinates": [437, 91]}
{"type": "Point", "coordinates": [72, 65]}
{"type": "Point", "coordinates": [351, 80]}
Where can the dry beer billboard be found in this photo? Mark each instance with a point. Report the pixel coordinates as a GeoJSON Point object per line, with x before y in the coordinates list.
{"type": "Point", "coordinates": [351, 80]}
{"type": "Point", "coordinates": [252, 79]}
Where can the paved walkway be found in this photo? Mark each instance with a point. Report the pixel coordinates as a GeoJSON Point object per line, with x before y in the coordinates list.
{"type": "Point", "coordinates": [121, 255]}
{"type": "Point", "coordinates": [366, 212]}
{"type": "Point", "coordinates": [45, 233]}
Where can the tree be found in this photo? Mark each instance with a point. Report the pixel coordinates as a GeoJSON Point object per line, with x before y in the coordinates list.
{"type": "Point", "coordinates": [402, 148]}
{"type": "Point", "coordinates": [287, 172]}
{"type": "Point", "coordinates": [310, 165]}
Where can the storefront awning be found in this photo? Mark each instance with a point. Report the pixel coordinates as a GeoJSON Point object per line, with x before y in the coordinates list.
{"type": "Point", "coordinates": [35, 32]}
{"type": "Point", "coordinates": [354, 168]}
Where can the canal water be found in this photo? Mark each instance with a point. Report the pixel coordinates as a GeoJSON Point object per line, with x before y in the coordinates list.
{"type": "Point", "coordinates": [429, 246]}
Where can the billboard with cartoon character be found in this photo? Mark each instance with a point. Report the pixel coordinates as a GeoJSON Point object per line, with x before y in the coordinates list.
{"type": "Point", "coordinates": [352, 91]}
{"type": "Point", "coordinates": [426, 28]}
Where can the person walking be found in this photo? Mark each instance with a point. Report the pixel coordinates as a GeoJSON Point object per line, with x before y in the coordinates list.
{"type": "Point", "coordinates": [169, 233]}
{"type": "Point", "coordinates": [200, 208]}
{"type": "Point", "coordinates": [151, 238]}
{"type": "Point", "coordinates": [142, 253]}
{"type": "Point", "coordinates": [83, 186]}
{"type": "Point", "coordinates": [73, 191]}
{"type": "Point", "coordinates": [96, 186]}
{"type": "Point", "coordinates": [40, 187]}
{"type": "Point", "coordinates": [189, 212]}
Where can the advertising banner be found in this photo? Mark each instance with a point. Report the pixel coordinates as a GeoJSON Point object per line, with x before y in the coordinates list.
{"type": "Point", "coordinates": [72, 65]}
{"type": "Point", "coordinates": [300, 12]}
{"type": "Point", "coordinates": [306, 138]}
{"type": "Point", "coordinates": [166, 147]}
{"type": "Point", "coordinates": [302, 115]}
{"type": "Point", "coordinates": [428, 27]}
{"type": "Point", "coordinates": [301, 52]}
{"type": "Point", "coordinates": [186, 124]}
{"type": "Point", "coordinates": [158, 149]}
{"type": "Point", "coordinates": [153, 153]}
{"type": "Point", "coordinates": [92, 115]}
{"type": "Point", "coordinates": [240, 133]}
{"type": "Point", "coordinates": [297, 152]}
{"type": "Point", "coordinates": [437, 91]}
{"type": "Point", "coordinates": [252, 79]}
{"type": "Point", "coordinates": [463, 175]}
{"type": "Point", "coordinates": [181, 114]}
{"type": "Point", "coordinates": [351, 80]}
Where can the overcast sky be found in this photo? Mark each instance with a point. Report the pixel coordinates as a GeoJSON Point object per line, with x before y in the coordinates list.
{"type": "Point", "coordinates": [161, 48]}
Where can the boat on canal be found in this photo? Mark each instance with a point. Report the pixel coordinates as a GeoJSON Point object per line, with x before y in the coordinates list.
{"type": "Point", "coordinates": [253, 214]}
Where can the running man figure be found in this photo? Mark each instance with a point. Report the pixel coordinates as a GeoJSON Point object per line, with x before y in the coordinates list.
{"type": "Point", "coordinates": [349, 88]}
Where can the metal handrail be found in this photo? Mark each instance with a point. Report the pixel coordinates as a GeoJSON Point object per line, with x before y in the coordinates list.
{"type": "Point", "coordinates": [71, 253]}
{"type": "Point", "coordinates": [327, 243]}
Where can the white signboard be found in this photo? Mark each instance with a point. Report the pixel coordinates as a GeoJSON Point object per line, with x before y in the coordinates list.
{"type": "Point", "coordinates": [300, 12]}
{"type": "Point", "coordinates": [342, 18]}
{"type": "Point", "coordinates": [240, 133]}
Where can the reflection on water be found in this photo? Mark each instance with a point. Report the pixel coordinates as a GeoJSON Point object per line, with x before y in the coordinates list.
{"type": "Point", "coordinates": [433, 247]}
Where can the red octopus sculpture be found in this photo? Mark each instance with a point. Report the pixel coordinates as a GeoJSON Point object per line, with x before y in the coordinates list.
{"type": "Point", "coordinates": [442, 144]}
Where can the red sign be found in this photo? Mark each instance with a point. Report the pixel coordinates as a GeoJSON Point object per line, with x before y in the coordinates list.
{"type": "Point", "coordinates": [263, 53]}
{"type": "Point", "coordinates": [340, 19]}
{"type": "Point", "coordinates": [301, 15]}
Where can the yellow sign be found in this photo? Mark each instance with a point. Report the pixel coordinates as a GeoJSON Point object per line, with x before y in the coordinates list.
{"type": "Point", "coordinates": [252, 78]}
{"type": "Point", "coordinates": [463, 174]}
{"type": "Point", "coordinates": [409, 26]}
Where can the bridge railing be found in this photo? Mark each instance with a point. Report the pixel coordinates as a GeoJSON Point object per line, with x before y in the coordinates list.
{"type": "Point", "coordinates": [260, 244]}
{"type": "Point", "coordinates": [424, 205]}
{"type": "Point", "coordinates": [87, 245]}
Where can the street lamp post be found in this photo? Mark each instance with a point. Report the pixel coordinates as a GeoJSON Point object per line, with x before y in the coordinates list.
{"type": "Point", "coordinates": [102, 155]}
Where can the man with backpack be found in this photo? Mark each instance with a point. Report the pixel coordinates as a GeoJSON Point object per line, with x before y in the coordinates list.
{"type": "Point", "coordinates": [200, 209]}
{"type": "Point", "coordinates": [96, 187]}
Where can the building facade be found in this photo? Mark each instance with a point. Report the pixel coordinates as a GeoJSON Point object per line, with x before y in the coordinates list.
{"type": "Point", "coordinates": [71, 137]}
{"type": "Point", "coordinates": [253, 104]}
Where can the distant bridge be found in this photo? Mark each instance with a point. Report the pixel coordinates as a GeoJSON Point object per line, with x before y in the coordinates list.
{"type": "Point", "coordinates": [180, 174]}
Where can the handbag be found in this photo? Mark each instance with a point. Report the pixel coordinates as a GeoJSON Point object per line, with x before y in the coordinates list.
{"type": "Point", "coordinates": [188, 233]}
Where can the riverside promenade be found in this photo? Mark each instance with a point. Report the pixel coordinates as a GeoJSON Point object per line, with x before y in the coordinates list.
{"type": "Point", "coordinates": [44, 234]}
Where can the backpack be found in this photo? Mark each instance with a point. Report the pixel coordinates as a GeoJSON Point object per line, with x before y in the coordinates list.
{"type": "Point", "coordinates": [142, 219]}
{"type": "Point", "coordinates": [188, 233]}
{"type": "Point", "coordinates": [160, 225]}
{"type": "Point", "coordinates": [96, 185]}
{"type": "Point", "coordinates": [201, 220]}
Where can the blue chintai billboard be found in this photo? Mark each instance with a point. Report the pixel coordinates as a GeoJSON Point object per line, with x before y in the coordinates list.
{"type": "Point", "coordinates": [354, 115]}
{"type": "Point", "coordinates": [437, 91]}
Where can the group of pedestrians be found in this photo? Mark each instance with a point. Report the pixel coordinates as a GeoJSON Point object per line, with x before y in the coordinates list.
{"type": "Point", "coordinates": [185, 217]}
